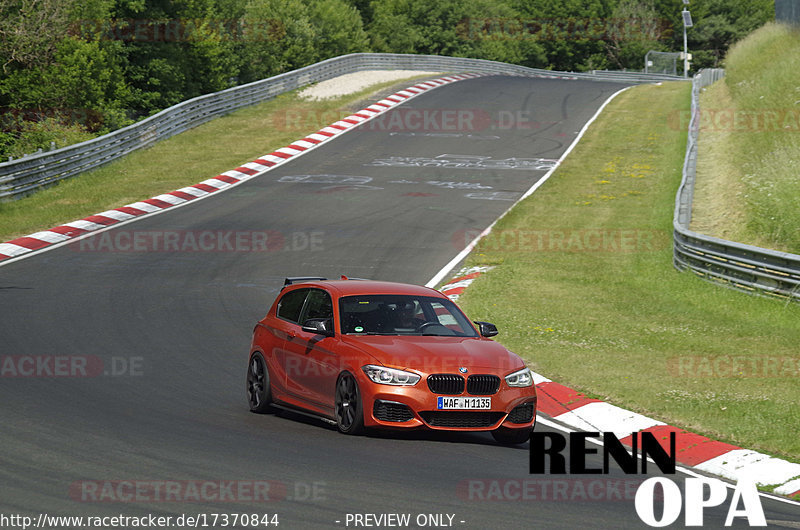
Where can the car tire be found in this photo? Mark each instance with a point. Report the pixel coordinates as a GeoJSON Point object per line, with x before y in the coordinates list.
{"type": "Point", "coordinates": [511, 436]}
{"type": "Point", "coordinates": [348, 408]}
{"type": "Point", "coordinates": [259, 393]}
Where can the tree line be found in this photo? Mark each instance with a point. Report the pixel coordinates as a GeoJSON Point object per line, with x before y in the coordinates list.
{"type": "Point", "coordinates": [75, 69]}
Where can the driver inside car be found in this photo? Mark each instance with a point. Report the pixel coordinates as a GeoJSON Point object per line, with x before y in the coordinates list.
{"type": "Point", "coordinates": [405, 317]}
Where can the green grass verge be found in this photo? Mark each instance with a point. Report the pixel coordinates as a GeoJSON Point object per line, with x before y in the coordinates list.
{"type": "Point", "coordinates": [584, 289]}
{"type": "Point", "coordinates": [719, 208]}
{"type": "Point", "coordinates": [752, 124]}
{"type": "Point", "coordinates": [188, 158]}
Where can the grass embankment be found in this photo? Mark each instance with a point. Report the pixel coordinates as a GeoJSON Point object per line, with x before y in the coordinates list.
{"type": "Point", "coordinates": [584, 289]}
{"type": "Point", "coordinates": [188, 158]}
{"type": "Point", "coordinates": [748, 172]}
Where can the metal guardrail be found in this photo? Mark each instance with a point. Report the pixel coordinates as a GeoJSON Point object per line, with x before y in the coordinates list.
{"type": "Point", "coordinates": [743, 267]}
{"type": "Point", "coordinates": [28, 174]}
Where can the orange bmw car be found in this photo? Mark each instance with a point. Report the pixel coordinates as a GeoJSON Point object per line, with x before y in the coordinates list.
{"type": "Point", "coordinates": [369, 354]}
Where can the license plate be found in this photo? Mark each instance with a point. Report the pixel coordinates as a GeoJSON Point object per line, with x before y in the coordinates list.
{"type": "Point", "coordinates": [463, 403]}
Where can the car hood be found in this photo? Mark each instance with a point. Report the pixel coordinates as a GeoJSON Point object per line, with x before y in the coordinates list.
{"type": "Point", "coordinates": [432, 354]}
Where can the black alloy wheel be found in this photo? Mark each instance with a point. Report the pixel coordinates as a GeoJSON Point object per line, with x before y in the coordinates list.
{"type": "Point", "coordinates": [349, 413]}
{"type": "Point", "coordinates": [258, 390]}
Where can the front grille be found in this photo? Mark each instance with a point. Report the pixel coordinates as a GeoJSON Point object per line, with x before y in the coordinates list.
{"type": "Point", "coordinates": [462, 419]}
{"type": "Point", "coordinates": [483, 385]}
{"type": "Point", "coordinates": [451, 384]}
{"type": "Point", "coordinates": [391, 411]}
{"type": "Point", "coordinates": [522, 413]}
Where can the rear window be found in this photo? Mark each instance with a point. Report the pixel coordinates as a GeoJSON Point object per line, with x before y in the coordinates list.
{"type": "Point", "coordinates": [291, 304]}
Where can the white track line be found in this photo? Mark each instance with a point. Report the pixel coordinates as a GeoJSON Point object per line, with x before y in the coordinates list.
{"type": "Point", "coordinates": [463, 254]}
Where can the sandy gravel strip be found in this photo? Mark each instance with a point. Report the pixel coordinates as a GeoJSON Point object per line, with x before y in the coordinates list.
{"type": "Point", "coordinates": [351, 83]}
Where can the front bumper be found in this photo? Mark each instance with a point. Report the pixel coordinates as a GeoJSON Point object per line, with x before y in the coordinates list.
{"type": "Point", "coordinates": [404, 407]}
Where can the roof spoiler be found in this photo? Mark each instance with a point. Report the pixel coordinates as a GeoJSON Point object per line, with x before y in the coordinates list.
{"type": "Point", "coordinates": [299, 279]}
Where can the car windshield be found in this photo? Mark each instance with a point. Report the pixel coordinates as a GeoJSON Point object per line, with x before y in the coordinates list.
{"type": "Point", "coordinates": [402, 315]}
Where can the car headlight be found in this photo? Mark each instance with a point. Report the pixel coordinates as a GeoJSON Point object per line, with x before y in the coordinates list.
{"type": "Point", "coordinates": [520, 378]}
{"type": "Point", "coordinates": [390, 376]}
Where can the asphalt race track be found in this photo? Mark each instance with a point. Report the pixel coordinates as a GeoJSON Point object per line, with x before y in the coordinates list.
{"type": "Point", "coordinates": [162, 333]}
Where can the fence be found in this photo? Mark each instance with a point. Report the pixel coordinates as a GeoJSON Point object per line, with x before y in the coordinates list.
{"type": "Point", "coordinates": [661, 62]}
{"type": "Point", "coordinates": [788, 11]}
{"type": "Point", "coordinates": [26, 175]}
{"type": "Point", "coordinates": [736, 265]}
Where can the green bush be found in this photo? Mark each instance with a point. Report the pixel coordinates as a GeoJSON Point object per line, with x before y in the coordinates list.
{"type": "Point", "coordinates": [113, 58]}
{"type": "Point", "coordinates": [34, 135]}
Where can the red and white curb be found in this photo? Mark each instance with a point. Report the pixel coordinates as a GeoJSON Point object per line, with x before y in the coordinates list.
{"type": "Point", "coordinates": [575, 410]}
{"type": "Point", "coordinates": [463, 278]}
{"type": "Point", "coordinates": [22, 246]}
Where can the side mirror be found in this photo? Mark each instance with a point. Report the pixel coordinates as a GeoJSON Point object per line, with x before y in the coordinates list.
{"type": "Point", "coordinates": [487, 329]}
{"type": "Point", "coordinates": [319, 326]}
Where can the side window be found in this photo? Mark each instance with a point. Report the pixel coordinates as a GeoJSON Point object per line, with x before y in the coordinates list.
{"type": "Point", "coordinates": [291, 304]}
{"type": "Point", "coordinates": [318, 305]}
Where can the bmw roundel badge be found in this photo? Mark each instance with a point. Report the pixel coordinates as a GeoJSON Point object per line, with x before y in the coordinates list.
{"type": "Point", "coordinates": [463, 370]}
